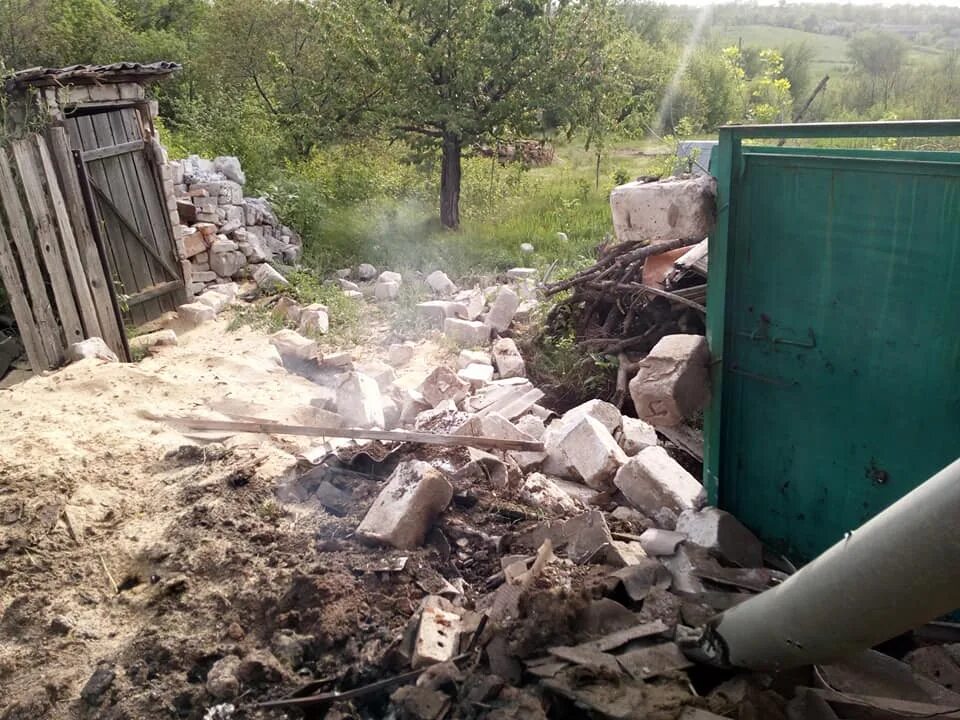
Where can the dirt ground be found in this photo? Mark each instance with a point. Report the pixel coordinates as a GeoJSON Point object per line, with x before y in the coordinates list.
{"type": "Point", "coordinates": [127, 546]}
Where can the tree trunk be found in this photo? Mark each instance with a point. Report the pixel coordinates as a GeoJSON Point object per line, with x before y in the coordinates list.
{"type": "Point", "coordinates": [450, 181]}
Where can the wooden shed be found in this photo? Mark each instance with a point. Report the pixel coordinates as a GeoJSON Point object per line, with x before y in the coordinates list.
{"type": "Point", "coordinates": [87, 216]}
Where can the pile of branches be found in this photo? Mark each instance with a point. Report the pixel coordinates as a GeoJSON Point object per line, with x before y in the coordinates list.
{"type": "Point", "coordinates": [611, 310]}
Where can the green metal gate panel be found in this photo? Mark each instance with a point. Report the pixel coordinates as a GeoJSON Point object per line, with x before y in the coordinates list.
{"type": "Point", "coordinates": [834, 327]}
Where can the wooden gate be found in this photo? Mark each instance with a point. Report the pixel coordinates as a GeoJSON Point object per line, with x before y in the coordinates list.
{"type": "Point", "coordinates": [127, 192]}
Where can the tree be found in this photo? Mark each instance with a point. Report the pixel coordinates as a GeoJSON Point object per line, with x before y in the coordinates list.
{"type": "Point", "coordinates": [468, 71]}
{"type": "Point", "coordinates": [881, 56]}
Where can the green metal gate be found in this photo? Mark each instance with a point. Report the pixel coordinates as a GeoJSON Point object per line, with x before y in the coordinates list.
{"type": "Point", "coordinates": [834, 325]}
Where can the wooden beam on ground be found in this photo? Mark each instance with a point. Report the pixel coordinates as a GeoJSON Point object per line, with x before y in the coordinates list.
{"type": "Point", "coordinates": [275, 428]}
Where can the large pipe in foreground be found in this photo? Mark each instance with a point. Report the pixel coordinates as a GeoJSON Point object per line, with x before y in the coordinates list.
{"type": "Point", "coordinates": [896, 572]}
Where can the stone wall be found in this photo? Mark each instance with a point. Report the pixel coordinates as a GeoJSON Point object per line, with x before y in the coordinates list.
{"type": "Point", "coordinates": [221, 233]}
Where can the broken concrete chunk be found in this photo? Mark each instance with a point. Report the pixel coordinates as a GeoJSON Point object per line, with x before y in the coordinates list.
{"type": "Point", "coordinates": [473, 302]}
{"type": "Point", "coordinates": [229, 289]}
{"type": "Point", "coordinates": [386, 290]}
{"type": "Point", "coordinates": [292, 345]}
{"type": "Point", "coordinates": [605, 413]}
{"type": "Point", "coordinates": [440, 283]}
{"type": "Point", "coordinates": [91, 348]}
{"type": "Point", "coordinates": [314, 319]}
{"type": "Point", "coordinates": [443, 384]}
{"type": "Point", "coordinates": [366, 271]}
{"type": "Point", "coordinates": [359, 402]}
{"type": "Point", "coordinates": [407, 507]}
{"type": "Point", "coordinates": [438, 638]}
{"type": "Point", "coordinates": [673, 381]}
{"type": "Point", "coordinates": [541, 492]}
{"type": "Point", "coordinates": [196, 313]}
{"type": "Point", "coordinates": [653, 480]}
{"type": "Point", "coordinates": [532, 426]}
{"type": "Point", "coordinates": [664, 210]}
{"type": "Point", "coordinates": [723, 535]}
{"type": "Point", "coordinates": [380, 371]}
{"type": "Point", "coordinates": [592, 453]}
{"type": "Point", "coordinates": [214, 300]}
{"type": "Point", "coordinates": [466, 332]}
{"type": "Point", "coordinates": [154, 339]}
{"type": "Point", "coordinates": [503, 309]}
{"type": "Point", "coordinates": [470, 357]}
{"type": "Point", "coordinates": [439, 310]}
{"type": "Point", "coordinates": [507, 358]}
{"type": "Point", "coordinates": [521, 273]}
{"type": "Point", "coordinates": [268, 279]}
{"type": "Point", "coordinates": [476, 374]}
{"type": "Point", "coordinates": [400, 353]}
{"type": "Point", "coordinates": [683, 571]}
{"type": "Point", "coordinates": [636, 435]}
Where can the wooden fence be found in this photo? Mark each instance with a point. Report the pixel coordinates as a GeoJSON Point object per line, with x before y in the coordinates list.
{"type": "Point", "coordinates": [51, 264]}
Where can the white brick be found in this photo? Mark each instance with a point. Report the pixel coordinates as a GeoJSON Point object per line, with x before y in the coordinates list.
{"type": "Point", "coordinates": [268, 279]}
{"type": "Point", "coordinates": [652, 480]}
{"type": "Point", "coordinates": [636, 435]}
{"type": "Point", "coordinates": [440, 310]}
{"type": "Point", "coordinates": [592, 452]}
{"type": "Point", "coordinates": [507, 358]}
{"type": "Point", "coordinates": [521, 273]}
{"type": "Point", "coordinates": [214, 300]}
{"type": "Point", "coordinates": [292, 345]}
{"type": "Point", "coordinates": [440, 284]}
{"type": "Point", "coordinates": [386, 289]}
{"type": "Point", "coordinates": [470, 357]}
{"type": "Point", "coordinates": [723, 535]}
{"type": "Point", "coordinates": [503, 309]}
{"type": "Point", "coordinates": [664, 210]}
{"type": "Point", "coordinates": [359, 402]}
{"type": "Point", "coordinates": [443, 384]}
{"type": "Point", "coordinates": [438, 637]}
{"type": "Point", "coordinates": [466, 332]}
{"type": "Point", "coordinates": [196, 313]}
{"type": "Point", "coordinates": [477, 374]}
{"type": "Point", "coordinates": [672, 382]}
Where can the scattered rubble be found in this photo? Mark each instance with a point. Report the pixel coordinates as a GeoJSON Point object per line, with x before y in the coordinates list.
{"type": "Point", "coordinates": [672, 382]}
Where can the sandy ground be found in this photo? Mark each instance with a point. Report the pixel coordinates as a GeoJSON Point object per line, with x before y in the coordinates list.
{"type": "Point", "coordinates": [95, 497]}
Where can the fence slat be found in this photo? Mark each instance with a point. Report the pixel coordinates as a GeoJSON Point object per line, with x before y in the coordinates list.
{"type": "Point", "coordinates": [111, 326]}
{"type": "Point", "coordinates": [48, 328]}
{"type": "Point", "coordinates": [68, 242]}
{"type": "Point", "coordinates": [29, 332]}
{"type": "Point", "coordinates": [31, 177]}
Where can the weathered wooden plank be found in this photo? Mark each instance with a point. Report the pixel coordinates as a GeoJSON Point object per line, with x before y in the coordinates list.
{"type": "Point", "coordinates": [111, 326]}
{"type": "Point", "coordinates": [268, 426]}
{"type": "Point", "coordinates": [116, 244]}
{"type": "Point", "coordinates": [31, 176]}
{"type": "Point", "coordinates": [68, 244]}
{"type": "Point", "coordinates": [29, 331]}
{"type": "Point", "coordinates": [48, 328]}
{"type": "Point", "coordinates": [154, 292]}
{"type": "Point", "coordinates": [151, 185]}
{"type": "Point", "coordinates": [124, 148]}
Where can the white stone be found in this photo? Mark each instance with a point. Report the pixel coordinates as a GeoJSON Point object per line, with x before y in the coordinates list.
{"type": "Point", "coordinates": [292, 345]}
{"type": "Point", "coordinates": [386, 290]}
{"type": "Point", "coordinates": [532, 426]}
{"type": "Point", "coordinates": [223, 245]}
{"type": "Point", "coordinates": [440, 283]}
{"type": "Point", "coordinates": [314, 319]}
{"type": "Point", "coordinates": [673, 381]}
{"type": "Point", "coordinates": [474, 302]}
{"type": "Point", "coordinates": [438, 637]}
{"type": "Point", "coordinates": [541, 492]}
{"type": "Point", "coordinates": [507, 358]}
{"type": "Point", "coordinates": [652, 480]}
{"type": "Point", "coordinates": [521, 273]}
{"type": "Point", "coordinates": [215, 300]}
{"type": "Point", "coordinates": [665, 210]}
{"type": "Point", "coordinates": [227, 264]}
{"type": "Point", "coordinates": [359, 402]}
{"type": "Point", "coordinates": [229, 167]}
{"type": "Point", "coordinates": [407, 507]}
{"type": "Point", "coordinates": [366, 271]}
{"type": "Point", "coordinates": [477, 374]}
{"type": "Point", "coordinates": [439, 310]}
{"type": "Point", "coordinates": [636, 435]}
{"type": "Point", "coordinates": [196, 313]}
{"type": "Point", "coordinates": [466, 332]}
{"type": "Point", "coordinates": [229, 289]}
{"type": "Point", "coordinates": [399, 354]}
{"type": "Point", "coordinates": [381, 372]}
{"type": "Point", "coordinates": [93, 347]}
{"type": "Point", "coordinates": [723, 535]}
{"type": "Point", "coordinates": [268, 279]}
{"type": "Point", "coordinates": [503, 309]}
{"type": "Point", "coordinates": [390, 276]}
{"type": "Point", "coordinates": [154, 339]}
{"type": "Point", "coordinates": [592, 452]}
{"type": "Point", "coordinates": [347, 285]}
{"type": "Point", "coordinates": [471, 357]}
{"type": "Point", "coordinates": [443, 384]}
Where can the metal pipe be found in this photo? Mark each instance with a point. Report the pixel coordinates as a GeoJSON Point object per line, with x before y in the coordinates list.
{"type": "Point", "coordinates": [896, 572]}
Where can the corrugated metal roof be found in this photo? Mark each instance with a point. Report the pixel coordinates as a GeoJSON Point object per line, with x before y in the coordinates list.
{"type": "Point", "coordinates": [89, 74]}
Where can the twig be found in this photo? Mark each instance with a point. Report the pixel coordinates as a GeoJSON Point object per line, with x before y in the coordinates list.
{"type": "Point", "coordinates": [103, 563]}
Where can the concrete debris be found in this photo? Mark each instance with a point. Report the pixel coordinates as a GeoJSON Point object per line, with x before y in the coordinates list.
{"type": "Point", "coordinates": [386, 289]}
{"type": "Point", "coordinates": [338, 360]}
{"type": "Point", "coordinates": [438, 637]}
{"type": "Point", "coordinates": [314, 319]}
{"type": "Point", "coordinates": [359, 402]}
{"type": "Point", "coordinates": [664, 210]}
{"type": "Point", "coordinates": [439, 310]}
{"type": "Point", "coordinates": [217, 301]}
{"type": "Point", "coordinates": [366, 272]}
{"type": "Point", "coordinates": [473, 302]}
{"type": "Point", "coordinates": [673, 381]}
{"type": "Point", "coordinates": [532, 426]}
{"type": "Point", "coordinates": [477, 374]}
{"type": "Point", "coordinates": [683, 571]}
{"type": "Point", "coordinates": [269, 279]}
{"type": "Point", "coordinates": [591, 452]}
{"type": "Point", "coordinates": [293, 346]}
{"type": "Point", "coordinates": [502, 310]}
{"type": "Point", "coordinates": [443, 384]}
{"type": "Point", "coordinates": [723, 535]}
{"type": "Point", "coordinates": [466, 332]}
{"type": "Point", "coordinates": [652, 480]}
{"type": "Point", "coordinates": [636, 435]}
{"type": "Point", "coordinates": [657, 542]}
{"type": "Point", "coordinates": [603, 412]}
{"type": "Point", "coordinates": [507, 358]}
{"type": "Point", "coordinates": [407, 507]}
{"type": "Point", "coordinates": [91, 348]}
{"type": "Point", "coordinates": [539, 491]}
{"type": "Point", "coordinates": [473, 357]}
{"type": "Point", "coordinates": [197, 313]}
{"type": "Point", "coordinates": [150, 340]}
{"type": "Point", "coordinates": [399, 354]}
{"type": "Point", "coordinates": [440, 284]}
{"type": "Point", "coordinates": [380, 371]}
{"type": "Point", "coordinates": [388, 276]}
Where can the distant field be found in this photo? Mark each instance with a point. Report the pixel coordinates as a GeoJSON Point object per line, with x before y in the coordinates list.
{"type": "Point", "coordinates": [831, 50]}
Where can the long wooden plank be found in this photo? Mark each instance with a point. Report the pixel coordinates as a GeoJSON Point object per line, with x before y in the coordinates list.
{"type": "Point", "coordinates": [31, 176]}
{"type": "Point", "coordinates": [111, 327]}
{"type": "Point", "coordinates": [29, 331]}
{"type": "Point", "coordinates": [68, 244]}
{"type": "Point", "coordinates": [114, 150]}
{"type": "Point", "coordinates": [46, 321]}
{"type": "Point", "coordinates": [154, 292]}
{"type": "Point", "coordinates": [152, 187]}
{"type": "Point", "coordinates": [116, 245]}
{"type": "Point", "coordinates": [268, 427]}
